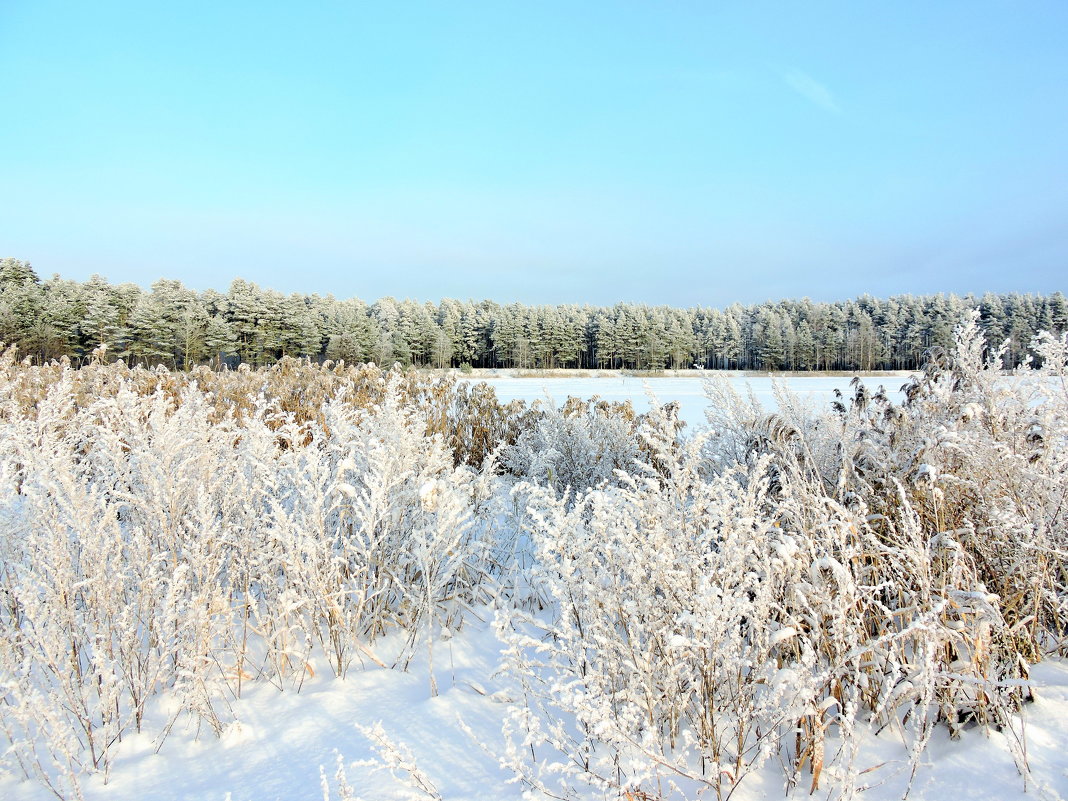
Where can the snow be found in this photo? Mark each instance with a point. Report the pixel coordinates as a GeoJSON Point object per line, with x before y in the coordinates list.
{"type": "Point", "coordinates": [274, 750]}
{"type": "Point", "coordinates": [688, 390]}
{"type": "Point", "coordinates": [978, 765]}
{"type": "Point", "coordinates": [281, 738]}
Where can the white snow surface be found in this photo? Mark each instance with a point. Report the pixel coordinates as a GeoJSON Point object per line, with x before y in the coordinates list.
{"type": "Point", "coordinates": [281, 738]}
{"type": "Point", "coordinates": [688, 391]}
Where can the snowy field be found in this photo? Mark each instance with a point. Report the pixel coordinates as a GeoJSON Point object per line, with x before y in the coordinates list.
{"type": "Point", "coordinates": [300, 583]}
{"type": "Point", "coordinates": [688, 391]}
{"type": "Point", "coordinates": [274, 750]}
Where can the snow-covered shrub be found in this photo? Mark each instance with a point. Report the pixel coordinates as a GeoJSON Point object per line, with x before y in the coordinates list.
{"type": "Point", "coordinates": [404, 537]}
{"type": "Point", "coordinates": [770, 588]}
{"type": "Point", "coordinates": [973, 453]}
{"type": "Point", "coordinates": [583, 443]}
{"type": "Point", "coordinates": [158, 538]}
{"type": "Point", "coordinates": [692, 635]}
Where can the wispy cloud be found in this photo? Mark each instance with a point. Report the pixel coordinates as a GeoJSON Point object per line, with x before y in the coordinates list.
{"type": "Point", "coordinates": [812, 90]}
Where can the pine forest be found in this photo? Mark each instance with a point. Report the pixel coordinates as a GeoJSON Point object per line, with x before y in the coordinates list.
{"type": "Point", "coordinates": [179, 328]}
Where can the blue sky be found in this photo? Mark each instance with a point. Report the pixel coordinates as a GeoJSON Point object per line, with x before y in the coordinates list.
{"type": "Point", "coordinates": [675, 152]}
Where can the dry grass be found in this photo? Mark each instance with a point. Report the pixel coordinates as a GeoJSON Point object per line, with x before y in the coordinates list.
{"type": "Point", "coordinates": [467, 416]}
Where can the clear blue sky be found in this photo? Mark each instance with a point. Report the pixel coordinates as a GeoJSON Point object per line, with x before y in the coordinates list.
{"type": "Point", "coordinates": [667, 152]}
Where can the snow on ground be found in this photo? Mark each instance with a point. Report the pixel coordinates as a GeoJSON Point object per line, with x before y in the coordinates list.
{"type": "Point", "coordinates": [281, 739]}
{"type": "Point", "coordinates": [688, 390]}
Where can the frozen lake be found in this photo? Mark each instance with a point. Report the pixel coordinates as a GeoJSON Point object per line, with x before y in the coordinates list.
{"type": "Point", "coordinates": [688, 391]}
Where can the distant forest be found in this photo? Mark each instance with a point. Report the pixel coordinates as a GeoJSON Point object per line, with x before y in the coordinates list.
{"type": "Point", "coordinates": [179, 327]}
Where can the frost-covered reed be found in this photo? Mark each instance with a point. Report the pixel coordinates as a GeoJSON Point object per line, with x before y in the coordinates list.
{"type": "Point", "coordinates": [158, 536]}
{"type": "Point", "coordinates": [777, 588]}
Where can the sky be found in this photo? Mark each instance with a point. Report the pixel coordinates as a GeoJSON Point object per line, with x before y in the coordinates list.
{"type": "Point", "coordinates": [687, 153]}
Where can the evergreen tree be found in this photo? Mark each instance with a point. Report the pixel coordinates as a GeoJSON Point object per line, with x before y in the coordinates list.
{"type": "Point", "coordinates": [21, 300]}
{"type": "Point", "coordinates": [220, 340]}
{"type": "Point", "coordinates": [104, 322]}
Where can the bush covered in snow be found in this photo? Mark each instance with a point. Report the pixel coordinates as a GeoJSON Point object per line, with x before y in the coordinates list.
{"type": "Point", "coordinates": [783, 583]}
{"type": "Point", "coordinates": [169, 539]}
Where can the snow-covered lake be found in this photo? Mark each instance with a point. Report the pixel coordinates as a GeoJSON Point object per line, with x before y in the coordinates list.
{"type": "Point", "coordinates": [688, 391]}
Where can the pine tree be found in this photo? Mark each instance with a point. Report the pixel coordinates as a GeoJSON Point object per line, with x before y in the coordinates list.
{"type": "Point", "coordinates": [105, 317]}
{"type": "Point", "coordinates": [220, 340]}
{"type": "Point", "coordinates": [21, 299]}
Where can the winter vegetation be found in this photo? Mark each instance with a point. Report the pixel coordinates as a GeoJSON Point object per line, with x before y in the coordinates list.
{"type": "Point", "coordinates": [679, 612]}
{"type": "Point", "coordinates": [180, 328]}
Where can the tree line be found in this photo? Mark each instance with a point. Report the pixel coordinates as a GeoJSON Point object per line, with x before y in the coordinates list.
{"type": "Point", "coordinates": [179, 327]}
